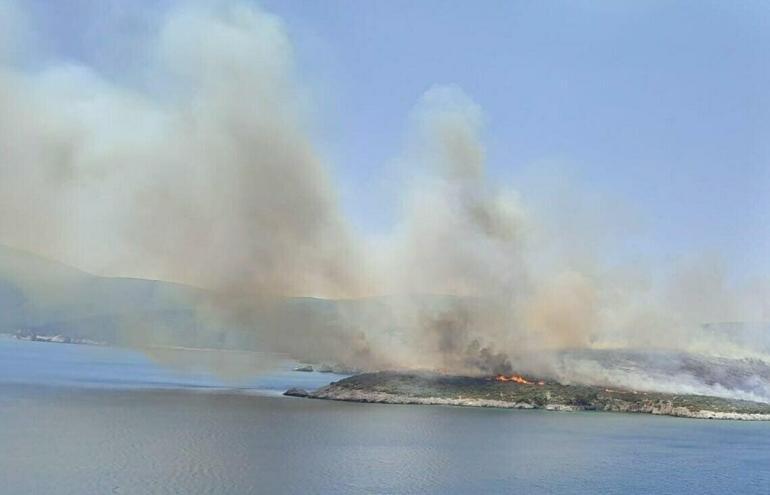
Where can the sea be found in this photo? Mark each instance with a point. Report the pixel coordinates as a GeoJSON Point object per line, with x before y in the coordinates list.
{"type": "Point", "coordinates": [81, 419]}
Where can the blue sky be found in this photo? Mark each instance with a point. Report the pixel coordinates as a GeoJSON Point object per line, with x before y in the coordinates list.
{"type": "Point", "coordinates": [662, 107]}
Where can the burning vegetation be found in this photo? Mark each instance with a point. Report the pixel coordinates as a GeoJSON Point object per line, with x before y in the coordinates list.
{"type": "Point", "coordinates": [514, 391]}
{"type": "Point", "coordinates": [518, 379]}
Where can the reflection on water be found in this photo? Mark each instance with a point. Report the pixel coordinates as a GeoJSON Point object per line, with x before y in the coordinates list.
{"type": "Point", "coordinates": [44, 363]}
{"type": "Point", "coordinates": [108, 439]}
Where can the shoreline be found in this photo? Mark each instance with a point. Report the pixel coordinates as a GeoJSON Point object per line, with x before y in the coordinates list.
{"type": "Point", "coordinates": [396, 388]}
{"type": "Point", "coordinates": [657, 410]}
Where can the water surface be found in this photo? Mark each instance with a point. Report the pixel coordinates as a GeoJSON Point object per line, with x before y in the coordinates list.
{"type": "Point", "coordinates": [69, 438]}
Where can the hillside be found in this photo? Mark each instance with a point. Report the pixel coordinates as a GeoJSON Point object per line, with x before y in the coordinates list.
{"type": "Point", "coordinates": [48, 297]}
{"type": "Point", "coordinates": [45, 297]}
{"type": "Point", "coordinates": [529, 393]}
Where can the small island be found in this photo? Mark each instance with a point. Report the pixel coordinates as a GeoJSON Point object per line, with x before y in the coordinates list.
{"type": "Point", "coordinates": [518, 392]}
{"type": "Point", "coordinates": [53, 338]}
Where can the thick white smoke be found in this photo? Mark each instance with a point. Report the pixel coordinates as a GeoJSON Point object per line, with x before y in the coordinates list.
{"type": "Point", "coordinates": [213, 182]}
{"type": "Point", "coordinates": [211, 178]}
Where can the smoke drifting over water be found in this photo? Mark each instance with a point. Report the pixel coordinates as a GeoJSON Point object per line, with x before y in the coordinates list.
{"type": "Point", "coordinates": [211, 178]}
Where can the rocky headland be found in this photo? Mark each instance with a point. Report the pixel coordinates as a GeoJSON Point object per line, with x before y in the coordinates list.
{"type": "Point", "coordinates": [517, 392]}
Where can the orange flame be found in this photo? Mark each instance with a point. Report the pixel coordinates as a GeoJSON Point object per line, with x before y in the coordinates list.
{"type": "Point", "coordinates": [517, 379]}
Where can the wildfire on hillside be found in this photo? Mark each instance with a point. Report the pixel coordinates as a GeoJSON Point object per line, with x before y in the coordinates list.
{"type": "Point", "coordinates": [517, 379]}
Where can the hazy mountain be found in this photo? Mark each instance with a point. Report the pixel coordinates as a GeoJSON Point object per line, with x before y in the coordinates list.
{"type": "Point", "coordinates": [49, 297]}
{"type": "Point", "coordinates": [46, 297]}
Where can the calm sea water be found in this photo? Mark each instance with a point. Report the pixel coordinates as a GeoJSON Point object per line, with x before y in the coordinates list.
{"type": "Point", "coordinates": [81, 420]}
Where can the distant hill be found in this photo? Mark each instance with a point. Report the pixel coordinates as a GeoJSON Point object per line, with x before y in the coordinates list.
{"type": "Point", "coordinates": [49, 298]}
{"type": "Point", "coordinates": [46, 297]}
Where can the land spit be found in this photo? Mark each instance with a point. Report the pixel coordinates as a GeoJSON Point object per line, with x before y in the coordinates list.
{"type": "Point", "coordinates": [500, 392]}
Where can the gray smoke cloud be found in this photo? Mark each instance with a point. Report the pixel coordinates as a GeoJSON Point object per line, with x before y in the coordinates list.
{"type": "Point", "coordinates": [211, 178]}
{"type": "Point", "coordinates": [213, 183]}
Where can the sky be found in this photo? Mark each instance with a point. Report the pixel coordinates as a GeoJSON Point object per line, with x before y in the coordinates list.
{"type": "Point", "coordinates": [664, 106]}
{"type": "Point", "coordinates": [655, 108]}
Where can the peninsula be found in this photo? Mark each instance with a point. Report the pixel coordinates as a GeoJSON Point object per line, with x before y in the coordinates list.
{"type": "Point", "coordinates": [518, 392]}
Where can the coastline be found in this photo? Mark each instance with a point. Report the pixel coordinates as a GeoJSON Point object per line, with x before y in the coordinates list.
{"type": "Point", "coordinates": [395, 388]}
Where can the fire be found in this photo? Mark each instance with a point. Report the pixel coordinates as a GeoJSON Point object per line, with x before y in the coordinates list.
{"type": "Point", "coordinates": [517, 379]}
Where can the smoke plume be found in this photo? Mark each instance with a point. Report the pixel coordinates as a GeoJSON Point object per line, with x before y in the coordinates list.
{"type": "Point", "coordinates": [207, 174]}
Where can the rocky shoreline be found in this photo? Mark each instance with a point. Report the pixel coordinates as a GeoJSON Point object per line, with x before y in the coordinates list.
{"type": "Point", "coordinates": [432, 389]}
